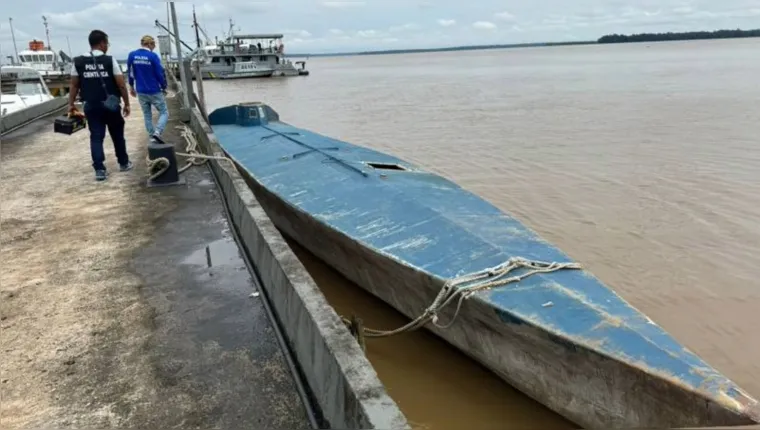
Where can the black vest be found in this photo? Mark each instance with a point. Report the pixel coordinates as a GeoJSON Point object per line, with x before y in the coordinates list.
{"type": "Point", "coordinates": [96, 79]}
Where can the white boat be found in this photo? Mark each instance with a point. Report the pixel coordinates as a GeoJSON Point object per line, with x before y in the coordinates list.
{"type": "Point", "coordinates": [21, 87]}
{"type": "Point", "coordinates": [239, 55]}
{"type": "Point", "coordinates": [42, 59]}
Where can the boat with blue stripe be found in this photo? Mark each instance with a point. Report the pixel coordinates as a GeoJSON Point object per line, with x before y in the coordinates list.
{"type": "Point", "coordinates": [476, 277]}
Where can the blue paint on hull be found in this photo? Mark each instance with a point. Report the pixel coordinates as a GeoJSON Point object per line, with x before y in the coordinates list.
{"type": "Point", "coordinates": [424, 221]}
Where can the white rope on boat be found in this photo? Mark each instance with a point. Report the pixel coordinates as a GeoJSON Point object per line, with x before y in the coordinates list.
{"type": "Point", "coordinates": [464, 287]}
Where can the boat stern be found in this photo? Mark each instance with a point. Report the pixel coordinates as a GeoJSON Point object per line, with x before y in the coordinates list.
{"type": "Point", "coordinates": [251, 114]}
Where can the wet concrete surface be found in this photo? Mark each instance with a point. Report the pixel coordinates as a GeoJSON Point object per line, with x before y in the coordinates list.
{"type": "Point", "coordinates": [213, 339]}
{"type": "Point", "coordinates": [112, 312]}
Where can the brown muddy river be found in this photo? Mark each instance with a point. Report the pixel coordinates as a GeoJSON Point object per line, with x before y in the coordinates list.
{"type": "Point", "coordinates": [640, 161]}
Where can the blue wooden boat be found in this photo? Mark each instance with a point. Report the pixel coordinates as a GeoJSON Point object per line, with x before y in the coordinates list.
{"type": "Point", "coordinates": [561, 337]}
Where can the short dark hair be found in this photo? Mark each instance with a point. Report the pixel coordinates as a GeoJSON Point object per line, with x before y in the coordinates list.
{"type": "Point", "coordinates": [97, 37]}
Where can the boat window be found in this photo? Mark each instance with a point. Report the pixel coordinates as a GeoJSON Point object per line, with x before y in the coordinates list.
{"type": "Point", "coordinates": [253, 113]}
{"type": "Point", "coordinates": [386, 166]}
{"type": "Point", "coordinates": [28, 89]}
{"type": "Point", "coordinates": [50, 58]}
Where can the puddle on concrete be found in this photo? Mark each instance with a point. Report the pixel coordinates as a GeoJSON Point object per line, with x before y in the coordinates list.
{"type": "Point", "coordinates": [222, 252]}
{"type": "Point", "coordinates": [435, 385]}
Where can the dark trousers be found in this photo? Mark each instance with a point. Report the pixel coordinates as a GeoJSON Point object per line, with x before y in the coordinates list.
{"type": "Point", "coordinates": [98, 120]}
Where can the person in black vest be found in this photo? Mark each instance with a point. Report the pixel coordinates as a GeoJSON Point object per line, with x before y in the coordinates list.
{"type": "Point", "coordinates": [99, 80]}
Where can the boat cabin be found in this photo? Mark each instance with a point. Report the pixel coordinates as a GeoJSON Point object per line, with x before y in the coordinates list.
{"type": "Point", "coordinates": [264, 49]}
{"type": "Point", "coordinates": [41, 59]}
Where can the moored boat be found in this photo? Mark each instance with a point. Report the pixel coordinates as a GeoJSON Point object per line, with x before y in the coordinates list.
{"type": "Point", "coordinates": [20, 88]}
{"type": "Point", "coordinates": [477, 278]}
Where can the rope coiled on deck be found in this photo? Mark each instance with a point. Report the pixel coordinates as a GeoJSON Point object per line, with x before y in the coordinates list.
{"type": "Point", "coordinates": [464, 287]}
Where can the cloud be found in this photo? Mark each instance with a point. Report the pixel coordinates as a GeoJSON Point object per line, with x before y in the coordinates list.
{"type": "Point", "coordinates": [504, 16]}
{"type": "Point", "coordinates": [342, 4]}
{"type": "Point", "coordinates": [368, 34]}
{"type": "Point", "coordinates": [405, 27]}
{"type": "Point", "coordinates": [484, 25]}
{"type": "Point", "coordinates": [335, 25]}
{"type": "Point", "coordinates": [296, 33]}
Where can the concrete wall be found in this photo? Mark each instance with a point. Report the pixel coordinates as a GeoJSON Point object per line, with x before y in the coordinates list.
{"type": "Point", "coordinates": [341, 378]}
{"type": "Point", "coordinates": [17, 119]}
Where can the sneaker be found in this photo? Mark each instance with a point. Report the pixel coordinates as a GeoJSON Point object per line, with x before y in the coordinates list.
{"type": "Point", "coordinates": [101, 175]}
{"type": "Point", "coordinates": [157, 138]}
{"type": "Point", "coordinates": [126, 167]}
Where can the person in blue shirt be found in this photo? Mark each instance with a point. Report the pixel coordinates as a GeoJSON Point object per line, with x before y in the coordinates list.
{"type": "Point", "coordinates": [147, 82]}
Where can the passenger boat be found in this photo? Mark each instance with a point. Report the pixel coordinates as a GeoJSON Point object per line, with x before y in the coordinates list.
{"type": "Point", "coordinates": [478, 278]}
{"type": "Point", "coordinates": [263, 52]}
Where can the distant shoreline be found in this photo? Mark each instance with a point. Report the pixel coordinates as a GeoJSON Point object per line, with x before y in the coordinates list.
{"type": "Point", "coordinates": [607, 39]}
{"type": "Point", "coordinates": [670, 36]}
{"type": "Point", "coordinates": [446, 49]}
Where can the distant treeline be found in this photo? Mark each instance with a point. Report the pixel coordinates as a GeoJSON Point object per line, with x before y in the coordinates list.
{"type": "Point", "coordinates": [669, 36]}
{"type": "Point", "coordinates": [446, 49]}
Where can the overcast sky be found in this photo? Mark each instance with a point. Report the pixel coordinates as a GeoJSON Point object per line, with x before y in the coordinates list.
{"type": "Point", "coordinates": [332, 26]}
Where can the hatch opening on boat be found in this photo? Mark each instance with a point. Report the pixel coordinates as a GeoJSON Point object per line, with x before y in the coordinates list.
{"type": "Point", "coordinates": [386, 166]}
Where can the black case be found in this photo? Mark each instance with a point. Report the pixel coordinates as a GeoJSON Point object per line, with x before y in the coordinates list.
{"type": "Point", "coordinates": [69, 125]}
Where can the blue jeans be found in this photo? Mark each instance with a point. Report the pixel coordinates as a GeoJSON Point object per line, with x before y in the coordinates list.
{"type": "Point", "coordinates": [158, 101]}
{"type": "Point", "coordinates": [98, 120]}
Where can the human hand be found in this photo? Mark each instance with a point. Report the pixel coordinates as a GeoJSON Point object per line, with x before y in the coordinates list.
{"type": "Point", "coordinates": [126, 111]}
{"type": "Point", "coordinates": [73, 111]}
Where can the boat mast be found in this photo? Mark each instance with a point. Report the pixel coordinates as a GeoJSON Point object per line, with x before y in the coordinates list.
{"type": "Point", "coordinates": [195, 25]}
{"type": "Point", "coordinates": [13, 35]}
{"type": "Point", "coordinates": [47, 36]}
{"type": "Point", "coordinates": [47, 31]}
{"type": "Point", "coordinates": [232, 30]}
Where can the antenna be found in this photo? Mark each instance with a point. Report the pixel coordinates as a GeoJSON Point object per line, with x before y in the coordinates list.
{"type": "Point", "coordinates": [47, 35]}
{"type": "Point", "coordinates": [13, 35]}
{"type": "Point", "coordinates": [47, 31]}
{"type": "Point", "coordinates": [195, 25]}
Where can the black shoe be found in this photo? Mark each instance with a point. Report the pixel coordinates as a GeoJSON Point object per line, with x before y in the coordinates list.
{"type": "Point", "coordinates": [126, 167]}
{"type": "Point", "coordinates": [101, 175]}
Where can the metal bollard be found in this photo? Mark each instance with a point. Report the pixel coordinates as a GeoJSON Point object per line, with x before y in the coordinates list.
{"type": "Point", "coordinates": [171, 175]}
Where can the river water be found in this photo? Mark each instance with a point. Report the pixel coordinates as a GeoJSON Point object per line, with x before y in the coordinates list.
{"type": "Point", "coordinates": [640, 161]}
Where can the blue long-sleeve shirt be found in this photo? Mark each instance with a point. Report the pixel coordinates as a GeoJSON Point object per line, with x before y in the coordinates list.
{"type": "Point", "coordinates": [146, 74]}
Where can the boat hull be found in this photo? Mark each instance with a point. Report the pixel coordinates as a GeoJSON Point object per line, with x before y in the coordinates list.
{"type": "Point", "coordinates": [589, 389]}
{"type": "Point", "coordinates": [248, 75]}
{"type": "Point", "coordinates": [568, 374]}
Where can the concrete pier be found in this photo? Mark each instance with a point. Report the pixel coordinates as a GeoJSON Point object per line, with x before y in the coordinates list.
{"type": "Point", "coordinates": [128, 307]}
